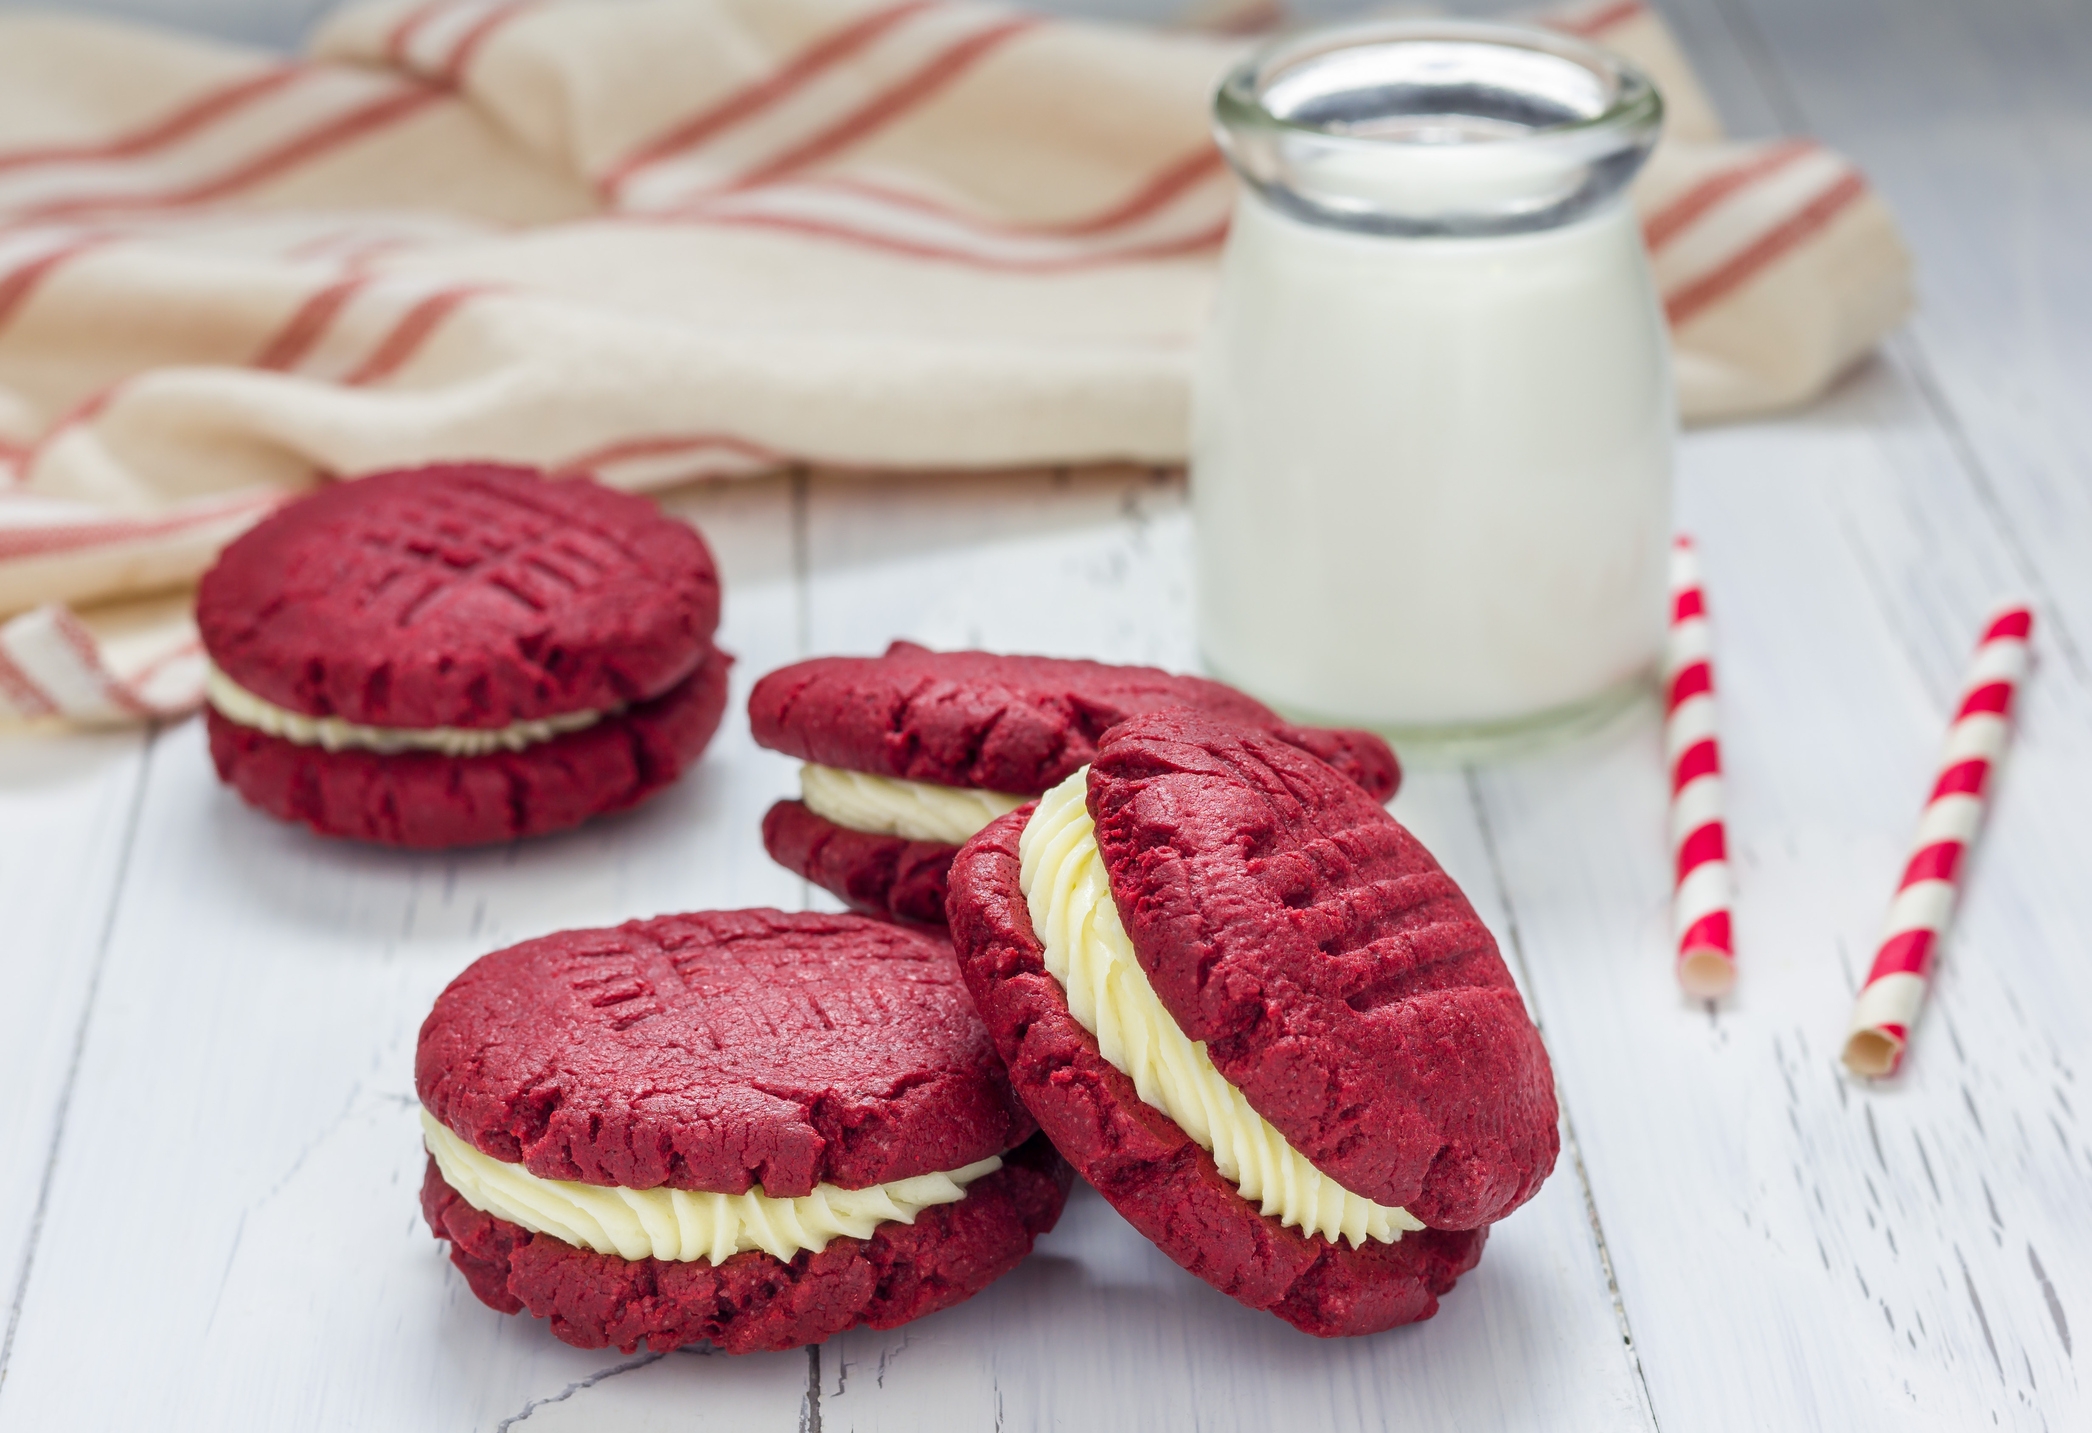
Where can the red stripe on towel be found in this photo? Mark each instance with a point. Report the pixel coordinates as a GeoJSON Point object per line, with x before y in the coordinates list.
{"type": "Point", "coordinates": [24, 279]}
{"type": "Point", "coordinates": [308, 326]}
{"type": "Point", "coordinates": [354, 125]}
{"type": "Point", "coordinates": [1671, 220]}
{"type": "Point", "coordinates": [469, 43]}
{"type": "Point", "coordinates": [883, 109]}
{"type": "Point", "coordinates": [1696, 297]}
{"type": "Point", "coordinates": [822, 56]}
{"type": "Point", "coordinates": [22, 542]}
{"type": "Point", "coordinates": [182, 123]}
{"type": "Point", "coordinates": [21, 690]}
{"type": "Point", "coordinates": [80, 642]}
{"type": "Point", "coordinates": [409, 334]}
{"type": "Point", "coordinates": [1596, 23]}
{"type": "Point", "coordinates": [401, 36]}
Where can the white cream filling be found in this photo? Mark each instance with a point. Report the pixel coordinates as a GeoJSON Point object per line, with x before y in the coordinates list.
{"type": "Point", "coordinates": [683, 1224]}
{"type": "Point", "coordinates": [912, 810]}
{"type": "Point", "coordinates": [1087, 951]}
{"type": "Point", "coordinates": [243, 708]}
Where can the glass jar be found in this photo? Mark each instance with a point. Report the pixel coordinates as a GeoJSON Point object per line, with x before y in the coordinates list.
{"type": "Point", "coordinates": [1433, 418]}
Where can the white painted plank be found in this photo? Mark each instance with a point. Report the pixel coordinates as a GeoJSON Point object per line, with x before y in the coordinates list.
{"type": "Point", "coordinates": [241, 1164]}
{"type": "Point", "coordinates": [1096, 564]}
{"type": "Point", "coordinates": [1100, 1331]}
{"type": "Point", "coordinates": [1750, 1196]}
{"type": "Point", "coordinates": [692, 1390]}
{"type": "Point", "coordinates": [1794, 1249]}
{"type": "Point", "coordinates": [1951, 473]}
{"type": "Point", "coordinates": [1972, 120]}
{"type": "Point", "coordinates": [1076, 563]}
{"type": "Point", "coordinates": [66, 805]}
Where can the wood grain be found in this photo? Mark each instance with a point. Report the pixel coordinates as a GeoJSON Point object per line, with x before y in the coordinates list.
{"type": "Point", "coordinates": [1952, 472]}
{"type": "Point", "coordinates": [242, 1165]}
{"type": "Point", "coordinates": [1738, 1236]}
{"type": "Point", "coordinates": [1095, 563]}
{"type": "Point", "coordinates": [68, 807]}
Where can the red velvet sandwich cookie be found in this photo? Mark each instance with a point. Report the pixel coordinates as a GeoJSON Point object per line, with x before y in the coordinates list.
{"type": "Point", "coordinates": [1250, 1009]}
{"type": "Point", "coordinates": [747, 1127]}
{"type": "Point", "coordinates": [910, 753]}
{"type": "Point", "coordinates": [453, 655]}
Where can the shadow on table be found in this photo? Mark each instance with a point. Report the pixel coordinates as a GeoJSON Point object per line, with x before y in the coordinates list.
{"type": "Point", "coordinates": [683, 849]}
{"type": "Point", "coordinates": [1100, 1331]}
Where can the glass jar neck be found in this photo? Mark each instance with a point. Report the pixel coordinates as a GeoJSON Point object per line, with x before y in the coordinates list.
{"type": "Point", "coordinates": [1432, 128]}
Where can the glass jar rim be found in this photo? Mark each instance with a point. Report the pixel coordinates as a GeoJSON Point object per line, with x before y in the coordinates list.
{"type": "Point", "coordinates": [1425, 128]}
{"type": "Point", "coordinates": [1634, 106]}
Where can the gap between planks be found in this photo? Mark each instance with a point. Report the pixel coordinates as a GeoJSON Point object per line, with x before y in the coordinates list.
{"type": "Point", "coordinates": [132, 810]}
{"type": "Point", "coordinates": [1480, 808]}
{"type": "Point", "coordinates": [1780, 95]}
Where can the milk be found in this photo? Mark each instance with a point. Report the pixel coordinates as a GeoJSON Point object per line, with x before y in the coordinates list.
{"type": "Point", "coordinates": [1433, 419]}
{"type": "Point", "coordinates": [1430, 476]}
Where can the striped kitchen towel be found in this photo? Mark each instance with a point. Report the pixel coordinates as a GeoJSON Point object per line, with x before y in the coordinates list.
{"type": "Point", "coordinates": [662, 239]}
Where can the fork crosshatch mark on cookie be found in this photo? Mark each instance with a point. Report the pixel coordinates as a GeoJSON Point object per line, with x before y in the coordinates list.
{"type": "Point", "coordinates": [1358, 1091]}
{"type": "Point", "coordinates": [749, 1127]}
{"type": "Point", "coordinates": [909, 753]}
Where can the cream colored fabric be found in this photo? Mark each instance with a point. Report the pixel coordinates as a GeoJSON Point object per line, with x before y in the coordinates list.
{"type": "Point", "coordinates": [657, 239]}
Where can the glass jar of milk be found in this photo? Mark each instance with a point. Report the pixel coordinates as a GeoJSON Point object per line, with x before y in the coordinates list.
{"type": "Point", "coordinates": [1433, 419]}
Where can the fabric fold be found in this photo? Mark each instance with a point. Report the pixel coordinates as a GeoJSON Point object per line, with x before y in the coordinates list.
{"type": "Point", "coordinates": [664, 239]}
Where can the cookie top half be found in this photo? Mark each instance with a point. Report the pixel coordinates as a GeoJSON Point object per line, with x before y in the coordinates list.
{"type": "Point", "coordinates": [1005, 723]}
{"type": "Point", "coordinates": [718, 1051]}
{"type": "Point", "coordinates": [460, 595]}
{"type": "Point", "coordinates": [1336, 975]}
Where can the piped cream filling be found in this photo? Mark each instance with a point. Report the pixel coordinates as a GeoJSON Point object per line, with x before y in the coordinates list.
{"type": "Point", "coordinates": [243, 708]}
{"type": "Point", "coordinates": [1087, 951]}
{"type": "Point", "coordinates": [912, 810]}
{"type": "Point", "coordinates": [682, 1224]}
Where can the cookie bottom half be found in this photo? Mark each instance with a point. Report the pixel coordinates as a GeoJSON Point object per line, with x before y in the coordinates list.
{"type": "Point", "coordinates": [755, 1302]}
{"type": "Point", "coordinates": [887, 876]}
{"type": "Point", "coordinates": [429, 801]}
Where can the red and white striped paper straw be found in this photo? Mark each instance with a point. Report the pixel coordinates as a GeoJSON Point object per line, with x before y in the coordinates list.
{"type": "Point", "coordinates": [1692, 752]}
{"type": "Point", "coordinates": [1895, 989]}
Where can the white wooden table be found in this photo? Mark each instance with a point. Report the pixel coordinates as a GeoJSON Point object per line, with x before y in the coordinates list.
{"type": "Point", "coordinates": [207, 1201]}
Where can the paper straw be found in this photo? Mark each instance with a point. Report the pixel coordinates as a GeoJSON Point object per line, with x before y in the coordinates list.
{"type": "Point", "coordinates": [1699, 843]}
{"type": "Point", "coordinates": [1888, 1003]}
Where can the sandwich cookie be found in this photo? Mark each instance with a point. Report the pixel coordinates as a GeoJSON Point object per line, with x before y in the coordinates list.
{"type": "Point", "coordinates": [909, 754]}
{"type": "Point", "coordinates": [1250, 1009]}
{"type": "Point", "coordinates": [459, 654]}
{"type": "Point", "coordinates": [747, 1127]}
